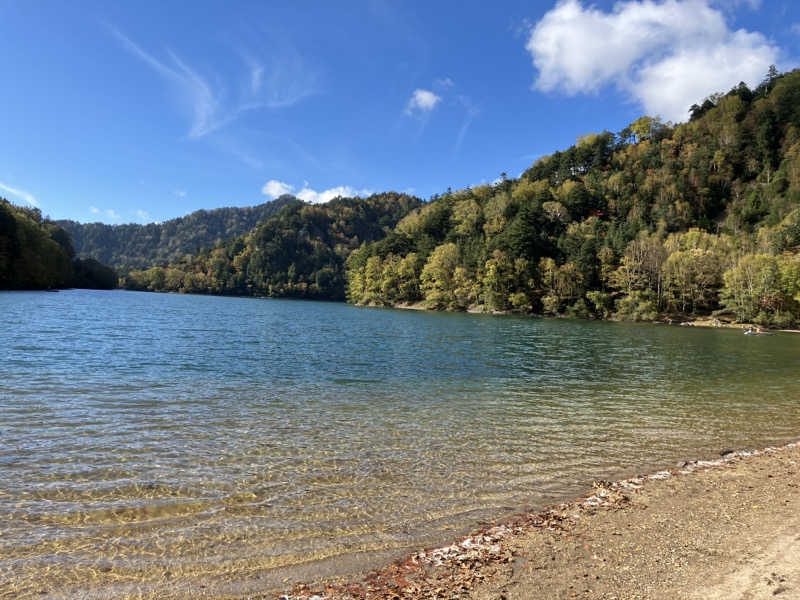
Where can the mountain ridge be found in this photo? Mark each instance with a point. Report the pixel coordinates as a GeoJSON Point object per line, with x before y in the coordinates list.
{"type": "Point", "coordinates": [134, 245]}
{"type": "Point", "coordinates": [298, 252]}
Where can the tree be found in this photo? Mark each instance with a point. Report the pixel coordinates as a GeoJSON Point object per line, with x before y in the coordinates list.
{"type": "Point", "coordinates": [752, 287]}
{"type": "Point", "coordinates": [437, 280]}
{"type": "Point", "coordinates": [498, 281]}
{"type": "Point", "coordinates": [645, 127]}
{"type": "Point", "coordinates": [408, 273]}
{"type": "Point", "coordinates": [692, 279]}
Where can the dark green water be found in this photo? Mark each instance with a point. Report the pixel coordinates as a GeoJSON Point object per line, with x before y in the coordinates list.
{"type": "Point", "coordinates": [150, 443]}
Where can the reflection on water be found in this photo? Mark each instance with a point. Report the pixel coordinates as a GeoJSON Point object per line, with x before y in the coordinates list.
{"type": "Point", "coordinates": [151, 444]}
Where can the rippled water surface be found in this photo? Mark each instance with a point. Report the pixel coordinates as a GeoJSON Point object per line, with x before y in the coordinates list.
{"type": "Point", "coordinates": [152, 444]}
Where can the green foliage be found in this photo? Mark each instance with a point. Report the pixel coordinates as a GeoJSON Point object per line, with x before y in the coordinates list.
{"type": "Point", "coordinates": [658, 218]}
{"type": "Point", "coordinates": [35, 253]}
{"type": "Point", "coordinates": [639, 305]}
{"type": "Point", "coordinates": [693, 270]}
{"type": "Point", "coordinates": [140, 246]}
{"type": "Point", "coordinates": [764, 288]}
{"type": "Point", "coordinates": [90, 274]}
{"type": "Point", "coordinates": [689, 218]}
{"type": "Point", "coordinates": [601, 303]}
{"type": "Point", "coordinates": [438, 279]}
{"type": "Point", "coordinates": [298, 252]}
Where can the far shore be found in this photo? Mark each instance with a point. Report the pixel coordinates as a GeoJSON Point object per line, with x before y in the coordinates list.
{"type": "Point", "coordinates": [679, 320]}
{"type": "Point", "coordinates": [703, 530]}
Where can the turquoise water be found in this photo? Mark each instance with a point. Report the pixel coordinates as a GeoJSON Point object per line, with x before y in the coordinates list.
{"type": "Point", "coordinates": [150, 444]}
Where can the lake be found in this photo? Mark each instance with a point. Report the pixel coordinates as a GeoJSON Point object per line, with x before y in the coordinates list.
{"type": "Point", "coordinates": [151, 444]}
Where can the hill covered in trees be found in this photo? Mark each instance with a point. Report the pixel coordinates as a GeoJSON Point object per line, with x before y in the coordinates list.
{"type": "Point", "coordinates": [36, 253]}
{"type": "Point", "coordinates": [298, 252]}
{"type": "Point", "coordinates": [139, 246]}
{"type": "Point", "coordinates": [696, 218]}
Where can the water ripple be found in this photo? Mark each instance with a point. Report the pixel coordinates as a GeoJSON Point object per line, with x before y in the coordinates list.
{"type": "Point", "coordinates": [150, 443]}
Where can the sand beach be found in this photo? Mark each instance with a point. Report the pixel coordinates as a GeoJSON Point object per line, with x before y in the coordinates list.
{"type": "Point", "coordinates": [716, 529]}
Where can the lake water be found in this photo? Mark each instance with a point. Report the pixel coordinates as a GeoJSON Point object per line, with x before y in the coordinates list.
{"type": "Point", "coordinates": [152, 444]}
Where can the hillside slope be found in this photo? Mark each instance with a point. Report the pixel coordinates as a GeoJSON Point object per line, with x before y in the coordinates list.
{"type": "Point", "coordinates": [161, 243]}
{"type": "Point", "coordinates": [35, 253]}
{"type": "Point", "coordinates": [299, 252]}
{"type": "Point", "coordinates": [694, 218]}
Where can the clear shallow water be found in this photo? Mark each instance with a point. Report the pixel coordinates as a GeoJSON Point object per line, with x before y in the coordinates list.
{"type": "Point", "coordinates": [150, 444]}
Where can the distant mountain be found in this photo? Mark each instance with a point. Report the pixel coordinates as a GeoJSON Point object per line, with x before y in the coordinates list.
{"type": "Point", "coordinates": [163, 243]}
{"type": "Point", "coordinates": [299, 252]}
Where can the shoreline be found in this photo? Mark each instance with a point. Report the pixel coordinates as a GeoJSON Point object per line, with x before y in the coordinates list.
{"type": "Point", "coordinates": [490, 562]}
{"type": "Point", "coordinates": [705, 321]}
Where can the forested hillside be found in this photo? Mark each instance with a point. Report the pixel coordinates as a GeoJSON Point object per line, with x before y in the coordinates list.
{"type": "Point", "coordinates": [37, 254]}
{"type": "Point", "coordinates": [299, 252]}
{"type": "Point", "coordinates": [162, 243]}
{"type": "Point", "coordinates": [695, 218]}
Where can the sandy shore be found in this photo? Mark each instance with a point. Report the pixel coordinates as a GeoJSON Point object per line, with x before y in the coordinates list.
{"type": "Point", "coordinates": [722, 529]}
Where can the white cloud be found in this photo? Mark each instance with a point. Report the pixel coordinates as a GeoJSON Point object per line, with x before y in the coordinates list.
{"type": "Point", "coordinates": [22, 194]}
{"type": "Point", "coordinates": [287, 82]}
{"type": "Point", "coordinates": [274, 188]}
{"type": "Point", "coordinates": [445, 82]}
{"type": "Point", "coordinates": [314, 197]}
{"type": "Point", "coordinates": [422, 101]}
{"type": "Point", "coordinates": [666, 55]}
{"type": "Point", "coordinates": [670, 86]}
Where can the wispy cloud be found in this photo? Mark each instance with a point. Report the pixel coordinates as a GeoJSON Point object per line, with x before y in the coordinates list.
{"type": "Point", "coordinates": [284, 83]}
{"type": "Point", "coordinates": [274, 188]}
{"type": "Point", "coordinates": [734, 4]}
{"type": "Point", "coordinates": [180, 193]}
{"type": "Point", "coordinates": [108, 214]}
{"type": "Point", "coordinates": [22, 194]}
{"type": "Point", "coordinates": [236, 144]}
{"type": "Point", "coordinates": [194, 90]}
{"type": "Point", "coordinates": [256, 78]}
{"type": "Point", "coordinates": [470, 112]}
{"type": "Point", "coordinates": [244, 156]}
{"type": "Point", "coordinates": [665, 55]}
{"type": "Point", "coordinates": [143, 216]}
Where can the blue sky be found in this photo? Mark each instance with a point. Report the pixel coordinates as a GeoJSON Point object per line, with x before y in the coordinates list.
{"type": "Point", "coordinates": [143, 111]}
